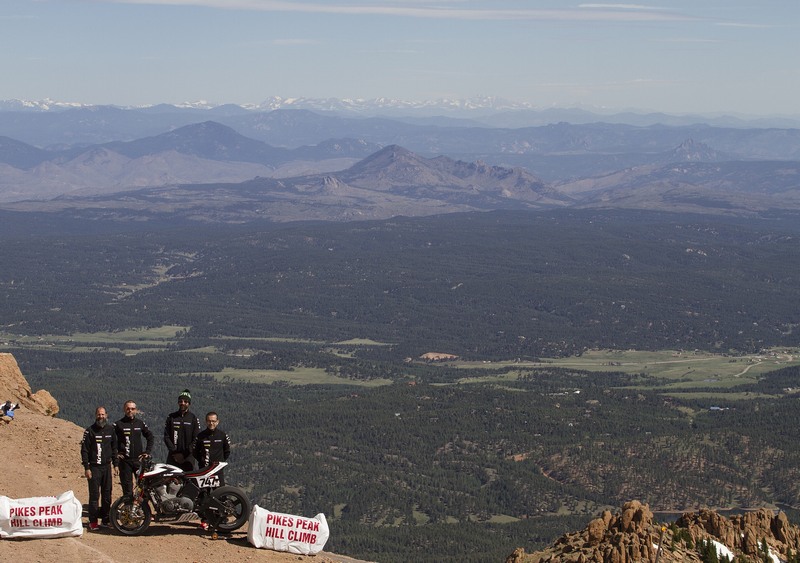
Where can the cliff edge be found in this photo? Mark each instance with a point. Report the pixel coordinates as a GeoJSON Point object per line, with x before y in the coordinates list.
{"type": "Point", "coordinates": [14, 387]}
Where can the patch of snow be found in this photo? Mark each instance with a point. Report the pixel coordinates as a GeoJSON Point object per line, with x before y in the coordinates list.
{"type": "Point", "coordinates": [722, 549]}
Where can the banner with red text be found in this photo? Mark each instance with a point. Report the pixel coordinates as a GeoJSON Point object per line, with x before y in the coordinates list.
{"type": "Point", "coordinates": [286, 532]}
{"type": "Point", "coordinates": [41, 517]}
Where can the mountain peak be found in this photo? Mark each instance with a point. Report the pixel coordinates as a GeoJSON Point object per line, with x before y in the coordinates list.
{"type": "Point", "coordinates": [693, 151]}
{"type": "Point", "coordinates": [392, 152]}
{"type": "Point", "coordinates": [207, 139]}
{"type": "Point", "coordinates": [204, 128]}
{"type": "Point", "coordinates": [392, 160]}
{"type": "Point", "coordinates": [399, 171]}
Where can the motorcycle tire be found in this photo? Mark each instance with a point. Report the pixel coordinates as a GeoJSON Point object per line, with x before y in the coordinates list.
{"type": "Point", "coordinates": [129, 519]}
{"type": "Point", "coordinates": [237, 508]}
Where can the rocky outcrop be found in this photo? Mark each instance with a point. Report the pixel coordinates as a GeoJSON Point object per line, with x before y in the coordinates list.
{"type": "Point", "coordinates": [746, 532]}
{"type": "Point", "coordinates": [625, 537]}
{"type": "Point", "coordinates": [14, 387]}
{"type": "Point", "coordinates": [631, 536]}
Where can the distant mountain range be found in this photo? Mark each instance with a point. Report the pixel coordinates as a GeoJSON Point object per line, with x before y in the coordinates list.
{"type": "Point", "coordinates": [489, 110]}
{"type": "Point", "coordinates": [395, 181]}
{"type": "Point", "coordinates": [298, 164]}
{"type": "Point", "coordinates": [390, 182]}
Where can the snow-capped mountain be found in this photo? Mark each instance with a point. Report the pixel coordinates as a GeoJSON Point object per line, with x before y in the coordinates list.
{"type": "Point", "coordinates": [390, 105]}
{"type": "Point", "coordinates": [346, 105]}
{"type": "Point", "coordinates": [39, 105]}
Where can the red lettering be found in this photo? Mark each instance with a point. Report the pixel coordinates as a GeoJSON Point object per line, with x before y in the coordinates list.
{"type": "Point", "coordinates": [276, 533]}
{"type": "Point", "coordinates": [303, 537]}
{"type": "Point", "coordinates": [23, 511]}
{"type": "Point", "coordinates": [47, 522]}
{"type": "Point", "coordinates": [279, 519]}
{"type": "Point", "coordinates": [50, 510]}
{"type": "Point", "coordinates": [306, 524]}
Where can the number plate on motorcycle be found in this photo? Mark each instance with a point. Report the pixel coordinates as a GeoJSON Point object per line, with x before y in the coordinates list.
{"type": "Point", "coordinates": [210, 481]}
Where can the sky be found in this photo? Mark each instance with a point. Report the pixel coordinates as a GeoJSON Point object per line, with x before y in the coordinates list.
{"type": "Point", "coordinates": [676, 56]}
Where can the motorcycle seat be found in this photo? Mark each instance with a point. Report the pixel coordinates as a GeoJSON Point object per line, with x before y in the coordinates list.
{"type": "Point", "coordinates": [203, 471]}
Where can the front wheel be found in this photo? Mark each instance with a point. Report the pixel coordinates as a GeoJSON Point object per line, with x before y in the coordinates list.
{"type": "Point", "coordinates": [129, 518]}
{"type": "Point", "coordinates": [231, 509]}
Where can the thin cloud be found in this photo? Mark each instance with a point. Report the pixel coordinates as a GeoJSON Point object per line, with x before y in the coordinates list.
{"type": "Point", "coordinates": [746, 25]}
{"type": "Point", "coordinates": [610, 84]}
{"type": "Point", "coordinates": [293, 42]}
{"type": "Point", "coordinates": [619, 7]}
{"type": "Point", "coordinates": [393, 52]}
{"type": "Point", "coordinates": [688, 40]}
{"type": "Point", "coordinates": [441, 12]}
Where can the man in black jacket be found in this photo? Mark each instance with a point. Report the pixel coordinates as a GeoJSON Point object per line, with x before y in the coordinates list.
{"type": "Point", "coordinates": [180, 431]}
{"type": "Point", "coordinates": [212, 444]}
{"type": "Point", "coordinates": [98, 454]}
{"type": "Point", "coordinates": [130, 433]}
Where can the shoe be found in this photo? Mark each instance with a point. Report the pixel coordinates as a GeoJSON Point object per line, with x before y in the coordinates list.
{"type": "Point", "coordinates": [106, 524]}
{"type": "Point", "coordinates": [204, 525]}
{"type": "Point", "coordinates": [94, 527]}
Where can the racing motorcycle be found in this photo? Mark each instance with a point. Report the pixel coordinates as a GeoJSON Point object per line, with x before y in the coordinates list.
{"type": "Point", "coordinates": [165, 493]}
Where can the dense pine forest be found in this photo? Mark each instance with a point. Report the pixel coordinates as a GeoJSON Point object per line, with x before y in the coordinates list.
{"type": "Point", "coordinates": [433, 461]}
{"type": "Point", "coordinates": [490, 285]}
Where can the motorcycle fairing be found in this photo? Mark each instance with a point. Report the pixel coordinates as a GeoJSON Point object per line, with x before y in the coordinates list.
{"type": "Point", "coordinates": [163, 469]}
{"type": "Point", "coordinates": [207, 476]}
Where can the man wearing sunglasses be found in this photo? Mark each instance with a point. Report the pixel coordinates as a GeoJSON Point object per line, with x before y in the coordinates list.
{"type": "Point", "coordinates": [131, 431]}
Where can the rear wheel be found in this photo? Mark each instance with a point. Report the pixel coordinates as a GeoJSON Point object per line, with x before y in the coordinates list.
{"type": "Point", "coordinates": [129, 518]}
{"type": "Point", "coordinates": [234, 510]}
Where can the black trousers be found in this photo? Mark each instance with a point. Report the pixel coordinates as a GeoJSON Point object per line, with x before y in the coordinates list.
{"type": "Point", "coordinates": [100, 492]}
{"type": "Point", "coordinates": [126, 469]}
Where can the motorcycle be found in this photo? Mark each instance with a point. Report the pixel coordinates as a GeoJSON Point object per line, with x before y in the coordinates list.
{"type": "Point", "coordinates": [165, 493]}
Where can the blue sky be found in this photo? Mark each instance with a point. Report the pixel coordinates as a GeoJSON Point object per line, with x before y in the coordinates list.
{"type": "Point", "coordinates": [678, 56]}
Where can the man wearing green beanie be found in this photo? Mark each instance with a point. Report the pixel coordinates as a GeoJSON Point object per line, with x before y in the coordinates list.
{"type": "Point", "coordinates": [180, 431]}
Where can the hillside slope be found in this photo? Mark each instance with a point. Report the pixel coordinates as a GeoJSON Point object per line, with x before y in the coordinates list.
{"type": "Point", "coordinates": [42, 458]}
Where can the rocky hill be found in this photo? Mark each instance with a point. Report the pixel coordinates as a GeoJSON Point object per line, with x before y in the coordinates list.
{"type": "Point", "coordinates": [632, 535]}
{"type": "Point", "coordinates": [14, 387]}
{"type": "Point", "coordinates": [42, 458]}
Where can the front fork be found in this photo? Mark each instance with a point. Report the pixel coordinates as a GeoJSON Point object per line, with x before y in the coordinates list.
{"type": "Point", "coordinates": [138, 495]}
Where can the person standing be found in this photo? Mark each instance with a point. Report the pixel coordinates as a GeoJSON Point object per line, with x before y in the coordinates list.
{"type": "Point", "coordinates": [98, 454]}
{"type": "Point", "coordinates": [212, 444]}
{"type": "Point", "coordinates": [180, 431]}
{"type": "Point", "coordinates": [130, 433]}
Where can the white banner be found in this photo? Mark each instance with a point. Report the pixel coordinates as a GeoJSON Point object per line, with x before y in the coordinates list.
{"type": "Point", "coordinates": [41, 517]}
{"type": "Point", "coordinates": [286, 532]}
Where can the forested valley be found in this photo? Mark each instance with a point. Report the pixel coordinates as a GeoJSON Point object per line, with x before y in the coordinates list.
{"type": "Point", "coordinates": [433, 461]}
{"type": "Point", "coordinates": [484, 285]}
